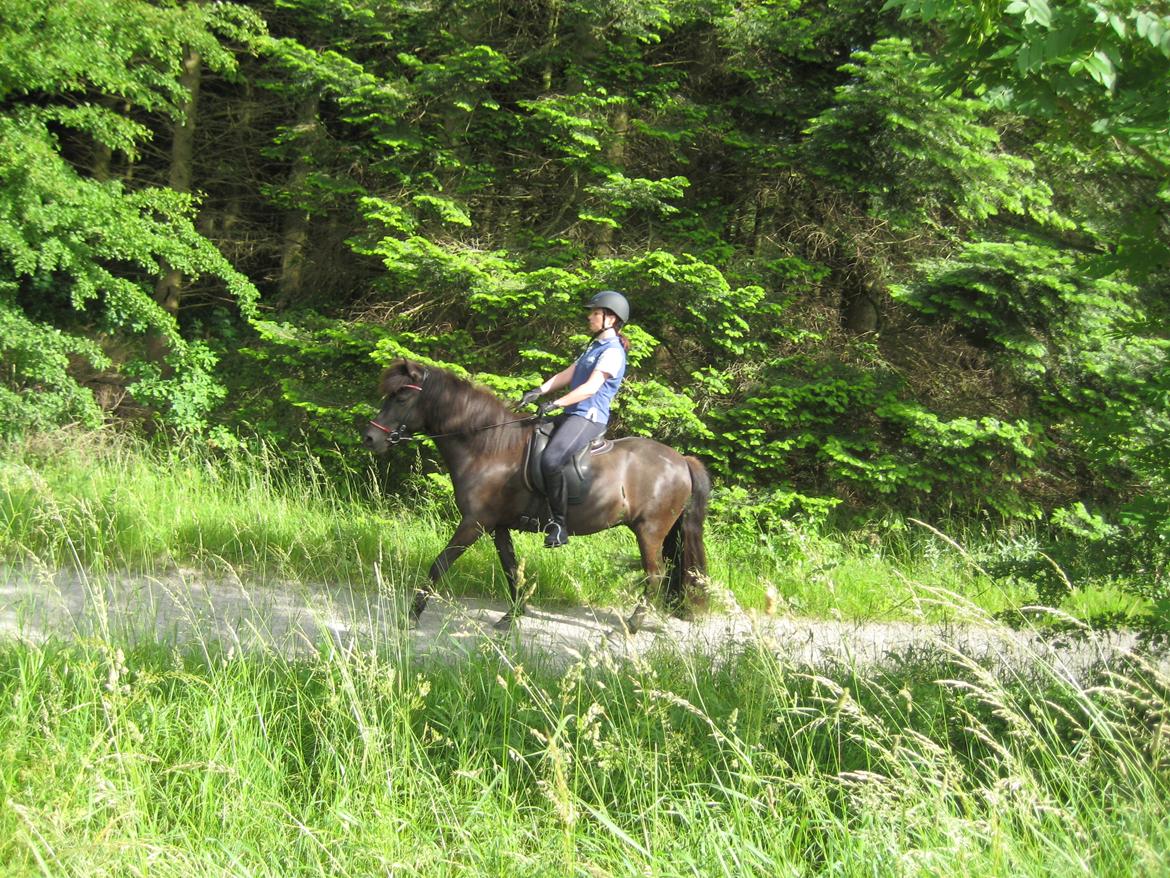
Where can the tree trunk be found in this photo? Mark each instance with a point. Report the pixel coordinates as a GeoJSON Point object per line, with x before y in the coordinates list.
{"type": "Point", "coordinates": [860, 312]}
{"type": "Point", "coordinates": [616, 156]}
{"type": "Point", "coordinates": [102, 157]}
{"type": "Point", "coordinates": [290, 285]}
{"type": "Point", "coordinates": [242, 187]}
{"type": "Point", "coordinates": [168, 291]}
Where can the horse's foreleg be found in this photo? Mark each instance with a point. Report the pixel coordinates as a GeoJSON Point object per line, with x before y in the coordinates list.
{"type": "Point", "coordinates": [503, 539]}
{"type": "Point", "coordinates": [465, 535]}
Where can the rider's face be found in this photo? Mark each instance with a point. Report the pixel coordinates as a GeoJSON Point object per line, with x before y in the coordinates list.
{"type": "Point", "coordinates": [598, 320]}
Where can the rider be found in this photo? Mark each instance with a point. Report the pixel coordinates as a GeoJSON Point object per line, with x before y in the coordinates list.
{"type": "Point", "coordinates": [592, 381]}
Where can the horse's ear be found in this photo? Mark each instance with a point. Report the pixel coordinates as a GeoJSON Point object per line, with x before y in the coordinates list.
{"type": "Point", "coordinates": [399, 369]}
{"type": "Point", "coordinates": [396, 369]}
{"type": "Point", "coordinates": [414, 371]}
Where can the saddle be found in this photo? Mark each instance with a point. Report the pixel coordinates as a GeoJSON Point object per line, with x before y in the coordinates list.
{"type": "Point", "coordinates": [578, 473]}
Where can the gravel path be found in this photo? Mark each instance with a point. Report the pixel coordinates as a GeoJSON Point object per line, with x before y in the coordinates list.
{"type": "Point", "coordinates": [191, 608]}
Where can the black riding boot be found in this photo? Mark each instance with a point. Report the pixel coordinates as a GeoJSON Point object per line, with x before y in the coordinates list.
{"type": "Point", "coordinates": [558, 504]}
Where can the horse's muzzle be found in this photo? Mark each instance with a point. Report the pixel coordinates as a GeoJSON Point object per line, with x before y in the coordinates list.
{"type": "Point", "coordinates": [377, 437]}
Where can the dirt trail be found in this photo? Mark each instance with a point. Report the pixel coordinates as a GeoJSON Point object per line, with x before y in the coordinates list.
{"type": "Point", "coordinates": [190, 608]}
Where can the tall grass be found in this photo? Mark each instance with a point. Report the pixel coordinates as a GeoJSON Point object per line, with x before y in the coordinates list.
{"type": "Point", "coordinates": [123, 755]}
{"type": "Point", "coordinates": [120, 760]}
{"type": "Point", "coordinates": [94, 504]}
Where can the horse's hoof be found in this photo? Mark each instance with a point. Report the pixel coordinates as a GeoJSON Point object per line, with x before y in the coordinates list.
{"type": "Point", "coordinates": [636, 621]}
{"type": "Point", "coordinates": [506, 621]}
{"type": "Point", "coordinates": [416, 607]}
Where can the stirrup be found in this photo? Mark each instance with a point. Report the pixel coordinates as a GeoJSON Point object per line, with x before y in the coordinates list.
{"type": "Point", "coordinates": [556, 535]}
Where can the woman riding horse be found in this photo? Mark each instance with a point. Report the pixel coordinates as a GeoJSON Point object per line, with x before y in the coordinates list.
{"type": "Point", "coordinates": [593, 381]}
{"type": "Point", "coordinates": [660, 494]}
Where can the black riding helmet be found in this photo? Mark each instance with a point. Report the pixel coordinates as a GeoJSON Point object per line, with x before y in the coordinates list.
{"type": "Point", "coordinates": [612, 301]}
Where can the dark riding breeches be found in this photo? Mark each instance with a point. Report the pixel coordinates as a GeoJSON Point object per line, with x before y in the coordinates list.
{"type": "Point", "coordinates": [571, 435]}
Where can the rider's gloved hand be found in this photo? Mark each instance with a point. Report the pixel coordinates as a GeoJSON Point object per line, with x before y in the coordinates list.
{"type": "Point", "coordinates": [529, 397]}
{"type": "Point", "coordinates": [545, 407]}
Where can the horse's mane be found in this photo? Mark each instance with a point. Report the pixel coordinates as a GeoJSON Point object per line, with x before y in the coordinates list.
{"type": "Point", "coordinates": [456, 405]}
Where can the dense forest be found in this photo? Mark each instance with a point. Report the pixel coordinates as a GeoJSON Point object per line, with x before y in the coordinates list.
{"type": "Point", "coordinates": [908, 257]}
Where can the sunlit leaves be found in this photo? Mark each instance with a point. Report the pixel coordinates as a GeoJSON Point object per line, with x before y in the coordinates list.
{"type": "Point", "coordinates": [920, 156]}
{"type": "Point", "coordinates": [92, 245]}
{"type": "Point", "coordinates": [1101, 65]}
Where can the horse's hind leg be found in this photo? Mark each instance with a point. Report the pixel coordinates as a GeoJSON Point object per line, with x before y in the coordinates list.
{"type": "Point", "coordinates": [503, 539]}
{"type": "Point", "coordinates": [650, 538]}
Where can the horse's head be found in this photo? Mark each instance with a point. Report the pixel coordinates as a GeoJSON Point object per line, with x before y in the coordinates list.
{"type": "Point", "coordinates": [401, 414]}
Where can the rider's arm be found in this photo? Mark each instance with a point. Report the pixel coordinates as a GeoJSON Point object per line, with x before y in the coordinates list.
{"type": "Point", "coordinates": [561, 379]}
{"type": "Point", "coordinates": [591, 386]}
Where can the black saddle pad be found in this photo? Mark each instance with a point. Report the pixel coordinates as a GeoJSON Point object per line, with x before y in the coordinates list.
{"type": "Point", "coordinates": [578, 474]}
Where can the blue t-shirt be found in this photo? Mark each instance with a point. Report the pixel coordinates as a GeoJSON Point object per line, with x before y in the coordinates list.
{"type": "Point", "coordinates": [609, 356]}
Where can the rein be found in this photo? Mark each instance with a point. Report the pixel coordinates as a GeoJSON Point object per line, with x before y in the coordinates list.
{"type": "Point", "coordinates": [401, 434]}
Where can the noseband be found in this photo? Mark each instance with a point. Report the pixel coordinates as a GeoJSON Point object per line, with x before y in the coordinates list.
{"type": "Point", "coordinates": [400, 432]}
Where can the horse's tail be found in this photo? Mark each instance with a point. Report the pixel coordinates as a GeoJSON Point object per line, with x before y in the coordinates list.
{"type": "Point", "coordinates": [684, 549]}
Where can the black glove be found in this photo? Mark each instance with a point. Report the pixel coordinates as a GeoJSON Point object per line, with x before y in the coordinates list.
{"type": "Point", "coordinates": [529, 397]}
{"type": "Point", "coordinates": [544, 408]}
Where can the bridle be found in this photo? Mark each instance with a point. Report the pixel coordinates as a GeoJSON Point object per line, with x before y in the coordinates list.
{"type": "Point", "coordinates": [402, 433]}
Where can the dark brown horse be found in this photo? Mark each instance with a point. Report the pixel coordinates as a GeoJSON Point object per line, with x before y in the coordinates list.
{"type": "Point", "coordinates": [652, 489]}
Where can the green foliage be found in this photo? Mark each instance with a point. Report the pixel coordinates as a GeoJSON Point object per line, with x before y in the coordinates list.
{"type": "Point", "coordinates": [36, 389]}
{"type": "Point", "coordinates": [808, 426]}
{"type": "Point", "coordinates": [1066, 331]}
{"type": "Point", "coordinates": [619, 194]}
{"type": "Point", "coordinates": [1103, 63]}
{"type": "Point", "coordinates": [682, 297]}
{"type": "Point", "coordinates": [1044, 308]}
{"type": "Point", "coordinates": [962, 456]}
{"type": "Point", "coordinates": [916, 155]}
{"type": "Point", "coordinates": [771, 511]}
{"type": "Point", "coordinates": [324, 375]}
{"type": "Point", "coordinates": [1098, 72]}
{"type": "Point", "coordinates": [120, 48]}
{"type": "Point", "coordinates": [651, 408]}
{"type": "Point", "coordinates": [78, 255]}
{"type": "Point", "coordinates": [571, 124]}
